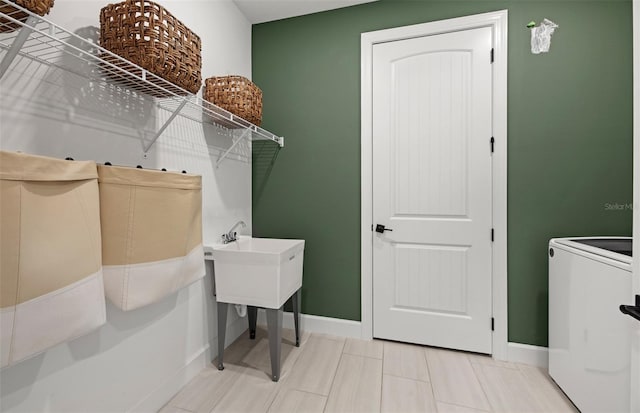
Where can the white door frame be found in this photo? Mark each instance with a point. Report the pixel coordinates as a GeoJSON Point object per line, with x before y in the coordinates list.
{"type": "Point", "coordinates": [498, 22]}
{"type": "Point", "coordinates": [635, 343]}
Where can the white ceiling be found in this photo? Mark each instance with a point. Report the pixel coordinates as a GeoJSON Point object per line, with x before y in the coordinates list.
{"type": "Point", "coordinates": [260, 11]}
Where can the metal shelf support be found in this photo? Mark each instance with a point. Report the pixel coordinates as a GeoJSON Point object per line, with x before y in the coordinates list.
{"type": "Point", "coordinates": [224, 155]}
{"type": "Point", "coordinates": [165, 125]}
{"type": "Point", "coordinates": [17, 44]}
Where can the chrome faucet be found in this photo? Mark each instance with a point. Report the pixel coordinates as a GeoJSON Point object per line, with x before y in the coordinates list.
{"type": "Point", "coordinates": [231, 235]}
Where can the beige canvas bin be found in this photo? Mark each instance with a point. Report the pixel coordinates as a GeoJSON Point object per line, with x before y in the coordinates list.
{"type": "Point", "coordinates": [51, 287]}
{"type": "Point", "coordinates": [151, 233]}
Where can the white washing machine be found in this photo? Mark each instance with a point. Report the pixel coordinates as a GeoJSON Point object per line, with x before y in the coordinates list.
{"type": "Point", "coordinates": [589, 338]}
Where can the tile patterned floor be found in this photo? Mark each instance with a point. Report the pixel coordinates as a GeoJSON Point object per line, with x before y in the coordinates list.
{"type": "Point", "coordinates": [334, 374]}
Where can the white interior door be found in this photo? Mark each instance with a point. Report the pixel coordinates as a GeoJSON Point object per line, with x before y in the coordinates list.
{"type": "Point", "coordinates": [432, 190]}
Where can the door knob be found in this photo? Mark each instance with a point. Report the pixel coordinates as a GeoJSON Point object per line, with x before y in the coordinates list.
{"type": "Point", "coordinates": [381, 229]}
{"type": "Point", "coordinates": [632, 310]}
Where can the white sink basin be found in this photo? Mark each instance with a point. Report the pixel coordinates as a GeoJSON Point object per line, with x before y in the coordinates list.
{"type": "Point", "coordinates": [261, 272]}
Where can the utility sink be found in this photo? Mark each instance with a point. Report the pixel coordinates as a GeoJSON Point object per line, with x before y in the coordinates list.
{"type": "Point", "coordinates": [260, 272]}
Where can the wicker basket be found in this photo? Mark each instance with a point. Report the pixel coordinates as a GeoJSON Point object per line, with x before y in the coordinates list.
{"type": "Point", "coordinates": [236, 94]}
{"type": "Point", "coordinates": [40, 7]}
{"type": "Point", "coordinates": [146, 34]}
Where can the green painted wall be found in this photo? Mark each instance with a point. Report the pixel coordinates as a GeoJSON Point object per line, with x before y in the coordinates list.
{"type": "Point", "coordinates": [570, 140]}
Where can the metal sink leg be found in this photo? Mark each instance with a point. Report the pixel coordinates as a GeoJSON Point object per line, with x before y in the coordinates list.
{"type": "Point", "coordinates": [296, 301]}
{"type": "Point", "coordinates": [222, 329]}
{"type": "Point", "coordinates": [252, 313]}
{"type": "Point", "coordinates": [274, 326]}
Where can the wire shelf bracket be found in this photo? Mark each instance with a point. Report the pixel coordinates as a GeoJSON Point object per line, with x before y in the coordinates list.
{"type": "Point", "coordinates": [166, 124]}
{"type": "Point", "coordinates": [17, 44]}
{"type": "Point", "coordinates": [245, 133]}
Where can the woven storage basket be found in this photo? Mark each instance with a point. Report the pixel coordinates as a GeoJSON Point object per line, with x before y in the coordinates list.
{"type": "Point", "coordinates": [236, 94]}
{"type": "Point", "coordinates": [40, 7]}
{"type": "Point", "coordinates": [146, 34]}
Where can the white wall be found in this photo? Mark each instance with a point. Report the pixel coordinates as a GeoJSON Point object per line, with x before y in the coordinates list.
{"type": "Point", "coordinates": [139, 358]}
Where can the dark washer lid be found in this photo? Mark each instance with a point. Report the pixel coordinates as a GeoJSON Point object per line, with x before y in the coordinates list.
{"type": "Point", "coordinates": [617, 245]}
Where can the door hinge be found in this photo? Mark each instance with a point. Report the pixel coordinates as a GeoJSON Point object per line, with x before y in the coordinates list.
{"type": "Point", "coordinates": [492, 141]}
{"type": "Point", "coordinates": [371, 227]}
{"type": "Point", "coordinates": [492, 55]}
{"type": "Point", "coordinates": [492, 234]}
{"type": "Point", "coordinates": [493, 324]}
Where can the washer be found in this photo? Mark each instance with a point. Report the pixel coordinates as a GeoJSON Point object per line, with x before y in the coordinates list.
{"type": "Point", "coordinates": [589, 338]}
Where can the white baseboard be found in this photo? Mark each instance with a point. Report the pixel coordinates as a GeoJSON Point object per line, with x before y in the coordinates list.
{"type": "Point", "coordinates": [318, 324]}
{"type": "Point", "coordinates": [527, 354]}
{"type": "Point", "coordinates": [203, 357]}
{"type": "Point", "coordinates": [516, 352]}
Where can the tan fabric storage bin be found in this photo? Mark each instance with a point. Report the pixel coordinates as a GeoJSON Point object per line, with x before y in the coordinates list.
{"type": "Point", "coordinates": [51, 286]}
{"type": "Point", "coordinates": [151, 233]}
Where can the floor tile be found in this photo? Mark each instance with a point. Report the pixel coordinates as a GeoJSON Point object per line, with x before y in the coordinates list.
{"type": "Point", "coordinates": [330, 337]}
{"type": "Point", "coordinates": [365, 348]}
{"type": "Point", "coordinates": [171, 409]}
{"type": "Point", "coordinates": [507, 389]}
{"type": "Point", "coordinates": [239, 349]}
{"type": "Point", "coordinates": [452, 408]}
{"type": "Point", "coordinates": [333, 374]}
{"type": "Point", "coordinates": [357, 385]}
{"type": "Point", "coordinates": [545, 390]}
{"type": "Point", "coordinates": [289, 336]}
{"type": "Point", "coordinates": [206, 390]}
{"type": "Point", "coordinates": [296, 401]}
{"type": "Point", "coordinates": [400, 395]}
{"type": "Point", "coordinates": [252, 392]}
{"type": "Point", "coordinates": [259, 358]}
{"type": "Point", "coordinates": [316, 367]}
{"type": "Point", "coordinates": [453, 379]}
{"type": "Point", "coordinates": [476, 358]}
{"type": "Point", "coordinates": [405, 360]}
